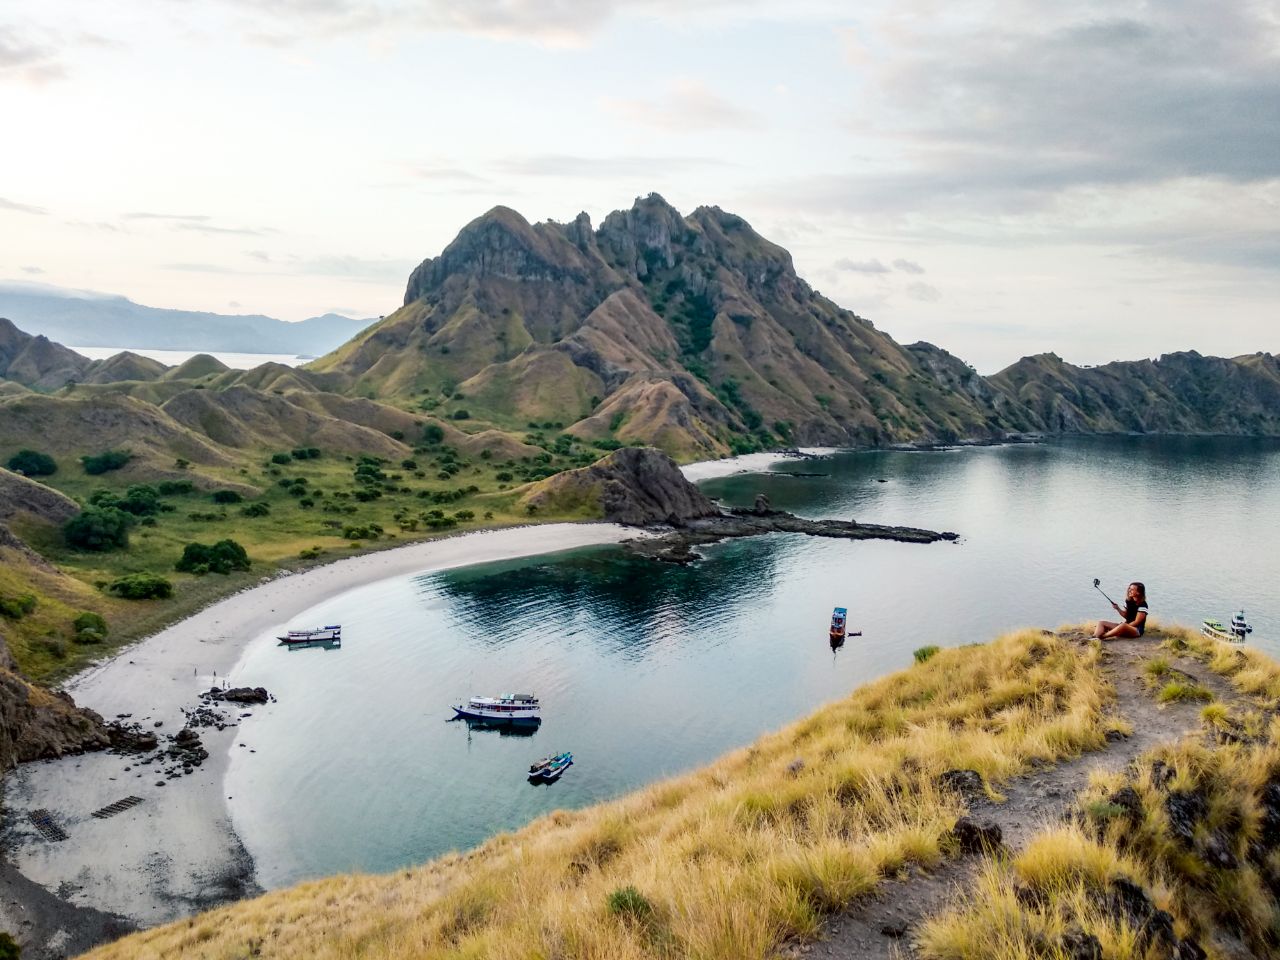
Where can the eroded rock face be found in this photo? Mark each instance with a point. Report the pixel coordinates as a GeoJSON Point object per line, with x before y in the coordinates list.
{"type": "Point", "coordinates": [636, 486]}
{"type": "Point", "coordinates": [36, 724]}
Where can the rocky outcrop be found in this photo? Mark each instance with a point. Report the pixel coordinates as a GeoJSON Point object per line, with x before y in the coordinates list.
{"type": "Point", "coordinates": [36, 724]}
{"type": "Point", "coordinates": [636, 486]}
{"type": "Point", "coordinates": [20, 495]}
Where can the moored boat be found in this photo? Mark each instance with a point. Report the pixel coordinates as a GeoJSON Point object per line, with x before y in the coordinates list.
{"type": "Point", "coordinates": [1214, 630]}
{"type": "Point", "coordinates": [839, 623]}
{"type": "Point", "coordinates": [330, 634]}
{"type": "Point", "coordinates": [522, 709]}
{"type": "Point", "coordinates": [1240, 626]}
{"type": "Point", "coordinates": [548, 768]}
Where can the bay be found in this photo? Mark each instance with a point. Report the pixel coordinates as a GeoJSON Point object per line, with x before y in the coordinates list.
{"type": "Point", "coordinates": [647, 670]}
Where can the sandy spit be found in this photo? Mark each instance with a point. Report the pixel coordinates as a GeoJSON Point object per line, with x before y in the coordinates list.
{"type": "Point", "coordinates": [176, 853]}
{"type": "Point", "coordinates": [747, 463]}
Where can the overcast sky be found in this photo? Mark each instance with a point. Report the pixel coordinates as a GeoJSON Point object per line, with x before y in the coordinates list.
{"type": "Point", "coordinates": [1100, 179]}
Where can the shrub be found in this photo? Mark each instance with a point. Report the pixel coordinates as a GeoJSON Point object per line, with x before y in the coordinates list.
{"type": "Point", "coordinates": [182, 463]}
{"type": "Point", "coordinates": [281, 458]}
{"type": "Point", "coordinates": [55, 647]}
{"type": "Point", "coordinates": [924, 653]}
{"type": "Point", "coordinates": [461, 415]}
{"type": "Point", "coordinates": [15, 608]}
{"type": "Point", "coordinates": [504, 477]}
{"type": "Point", "coordinates": [409, 464]}
{"type": "Point", "coordinates": [33, 463]}
{"type": "Point", "coordinates": [227, 496]}
{"type": "Point", "coordinates": [310, 553]}
{"type": "Point", "coordinates": [90, 621]}
{"type": "Point", "coordinates": [105, 461]}
{"type": "Point", "coordinates": [432, 434]}
{"type": "Point", "coordinates": [141, 500]}
{"type": "Point", "coordinates": [9, 949]}
{"type": "Point", "coordinates": [222, 557]}
{"type": "Point", "coordinates": [304, 453]}
{"type": "Point", "coordinates": [258, 509]}
{"type": "Point", "coordinates": [98, 529]}
{"type": "Point", "coordinates": [306, 503]}
{"type": "Point", "coordinates": [630, 904]}
{"type": "Point", "coordinates": [174, 488]}
{"type": "Point", "coordinates": [465, 515]}
{"type": "Point", "coordinates": [141, 586]}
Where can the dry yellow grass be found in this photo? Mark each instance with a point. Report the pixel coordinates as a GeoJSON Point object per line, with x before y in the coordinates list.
{"type": "Point", "coordinates": [1194, 824]}
{"type": "Point", "coordinates": [726, 863]}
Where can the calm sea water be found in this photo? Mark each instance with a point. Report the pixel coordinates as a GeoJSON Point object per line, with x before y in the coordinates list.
{"type": "Point", "coordinates": [646, 670]}
{"type": "Point", "coordinates": [172, 358]}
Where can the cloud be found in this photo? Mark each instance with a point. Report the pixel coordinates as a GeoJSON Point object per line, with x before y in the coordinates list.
{"type": "Point", "coordinates": [690, 106]}
{"type": "Point", "coordinates": [923, 291]}
{"type": "Point", "coordinates": [34, 271]}
{"type": "Point", "coordinates": [363, 269]}
{"type": "Point", "coordinates": [27, 60]}
{"type": "Point", "coordinates": [16, 207]}
{"type": "Point", "coordinates": [860, 266]}
{"type": "Point", "coordinates": [1009, 110]}
{"type": "Point", "coordinates": [579, 167]}
{"type": "Point", "coordinates": [908, 266]}
{"type": "Point", "coordinates": [211, 229]}
{"type": "Point", "coordinates": [184, 217]}
{"type": "Point", "coordinates": [442, 171]}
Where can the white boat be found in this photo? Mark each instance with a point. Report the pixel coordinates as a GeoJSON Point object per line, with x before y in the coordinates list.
{"type": "Point", "coordinates": [517, 709]}
{"type": "Point", "coordinates": [1240, 626]}
{"type": "Point", "coordinates": [330, 634]}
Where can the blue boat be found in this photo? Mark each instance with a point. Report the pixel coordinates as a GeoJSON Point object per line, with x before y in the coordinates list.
{"type": "Point", "coordinates": [549, 768]}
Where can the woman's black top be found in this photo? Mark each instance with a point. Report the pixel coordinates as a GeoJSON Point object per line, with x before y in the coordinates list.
{"type": "Point", "coordinates": [1131, 610]}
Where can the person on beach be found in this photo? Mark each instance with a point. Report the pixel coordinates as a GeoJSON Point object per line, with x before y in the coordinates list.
{"type": "Point", "coordinates": [1134, 613]}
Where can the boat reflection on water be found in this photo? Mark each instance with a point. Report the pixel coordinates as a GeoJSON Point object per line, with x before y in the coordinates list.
{"type": "Point", "coordinates": [501, 729]}
{"type": "Point", "coordinates": [311, 645]}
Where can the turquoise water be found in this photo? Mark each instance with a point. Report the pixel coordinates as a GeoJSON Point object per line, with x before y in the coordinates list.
{"type": "Point", "coordinates": [646, 670]}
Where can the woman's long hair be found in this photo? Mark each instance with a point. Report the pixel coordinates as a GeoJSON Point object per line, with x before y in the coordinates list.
{"type": "Point", "coordinates": [1142, 590]}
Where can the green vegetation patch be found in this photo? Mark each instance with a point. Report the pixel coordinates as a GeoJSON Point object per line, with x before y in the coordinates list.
{"type": "Point", "coordinates": [32, 463]}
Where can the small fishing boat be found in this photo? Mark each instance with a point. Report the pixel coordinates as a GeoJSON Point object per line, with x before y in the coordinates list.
{"type": "Point", "coordinates": [839, 623]}
{"type": "Point", "coordinates": [548, 768]}
{"type": "Point", "coordinates": [516, 709]}
{"type": "Point", "coordinates": [331, 634]}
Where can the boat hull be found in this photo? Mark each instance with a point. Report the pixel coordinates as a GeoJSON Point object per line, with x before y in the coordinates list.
{"type": "Point", "coordinates": [510, 719]}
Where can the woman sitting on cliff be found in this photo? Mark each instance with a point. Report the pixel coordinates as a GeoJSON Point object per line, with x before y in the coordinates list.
{"type": "Point", "coordinates": [1134, 613]}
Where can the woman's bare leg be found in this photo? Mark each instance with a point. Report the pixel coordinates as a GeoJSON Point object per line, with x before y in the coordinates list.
{"type": "Point", "coordinates": [1101, 629]}
{"type": "Point", "coordinates": [1122, 631]}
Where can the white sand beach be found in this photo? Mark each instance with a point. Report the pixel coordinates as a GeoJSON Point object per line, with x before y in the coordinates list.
{"type": "Point", "coordinates": [175, 852]}
{"type": "Point", "coordinates": [747, 463]}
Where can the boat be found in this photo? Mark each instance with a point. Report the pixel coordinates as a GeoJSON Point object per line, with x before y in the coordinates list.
{"type": "Point", "coordinates": [331, 634]}
{"type": "Point", "coordinates": [839, 621]}
{"type": "Point", "coordinates": [1235, 632]}
{"type": "Point", "coordinates": [516, 709]}
{"type": "Point", "coordinates": [549, 768]}
{"type": "Point", "coordinates": [1240, 626]}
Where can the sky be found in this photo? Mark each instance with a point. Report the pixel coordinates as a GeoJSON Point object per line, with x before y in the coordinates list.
{"type": "Point", "coordinates": [1096, 179]}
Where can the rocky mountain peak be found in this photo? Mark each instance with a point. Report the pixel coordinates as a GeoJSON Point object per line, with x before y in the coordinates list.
{"type": "Point", "coordinates": [645, 237]}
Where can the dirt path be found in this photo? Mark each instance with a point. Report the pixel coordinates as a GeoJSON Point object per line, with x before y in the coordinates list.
{"type": "Point", "coordinates": [881, 927]}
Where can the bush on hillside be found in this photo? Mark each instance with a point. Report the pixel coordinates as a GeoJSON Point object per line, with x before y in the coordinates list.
{"type": "Point", "coordinates": [33, 463]}
{"type": "Point", "coordinates": [141, 586]}
{"type": "Point", "coordinates": [89, 628]}
{"type": "Point", "coordinates": [227, 496]}
{"type": "Point", "coordinates": [281, 458]}
{"type": "Point", "coordinates": [174, 488]}
{"type": "Point", "coordinates": [15, 608]}
{"type": "Point", "coordinates": [305, 453]}
{"type": "Point", "coordinates": [222, 557]}
{"type": "Point", "coordinates": [432, 433]}
{"type": "Point", "coordinates": [107, 460]}
{"type": "Point", "coordinates": [98, 529]}
{"type": "Point", "coordinates": [257, 509]}
{"type": "Point", "coordinates": [461, 415]}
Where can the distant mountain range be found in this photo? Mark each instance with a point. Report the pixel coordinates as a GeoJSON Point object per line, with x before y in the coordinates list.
{"type": "Point", "coordinates": [85, 320]}
{"type": "Point", "coordinates": [690, 333]}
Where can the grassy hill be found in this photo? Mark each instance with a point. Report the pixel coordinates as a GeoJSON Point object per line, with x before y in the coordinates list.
{"type": "Point", "coordinates": [1165, 849]}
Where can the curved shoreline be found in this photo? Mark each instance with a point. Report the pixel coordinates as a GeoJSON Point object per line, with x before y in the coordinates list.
{"type": "Point", "coordinates": [176, 852]}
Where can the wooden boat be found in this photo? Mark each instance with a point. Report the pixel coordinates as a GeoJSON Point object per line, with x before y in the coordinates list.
{"type": "Point", "coordinates": [548, 768]}
{"type": "Point", "coordinates": [515, 709]}
{"type": "Point", "coordinates": [839, 624]}
{"type": "Point", "coordinates": [331, 634]}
